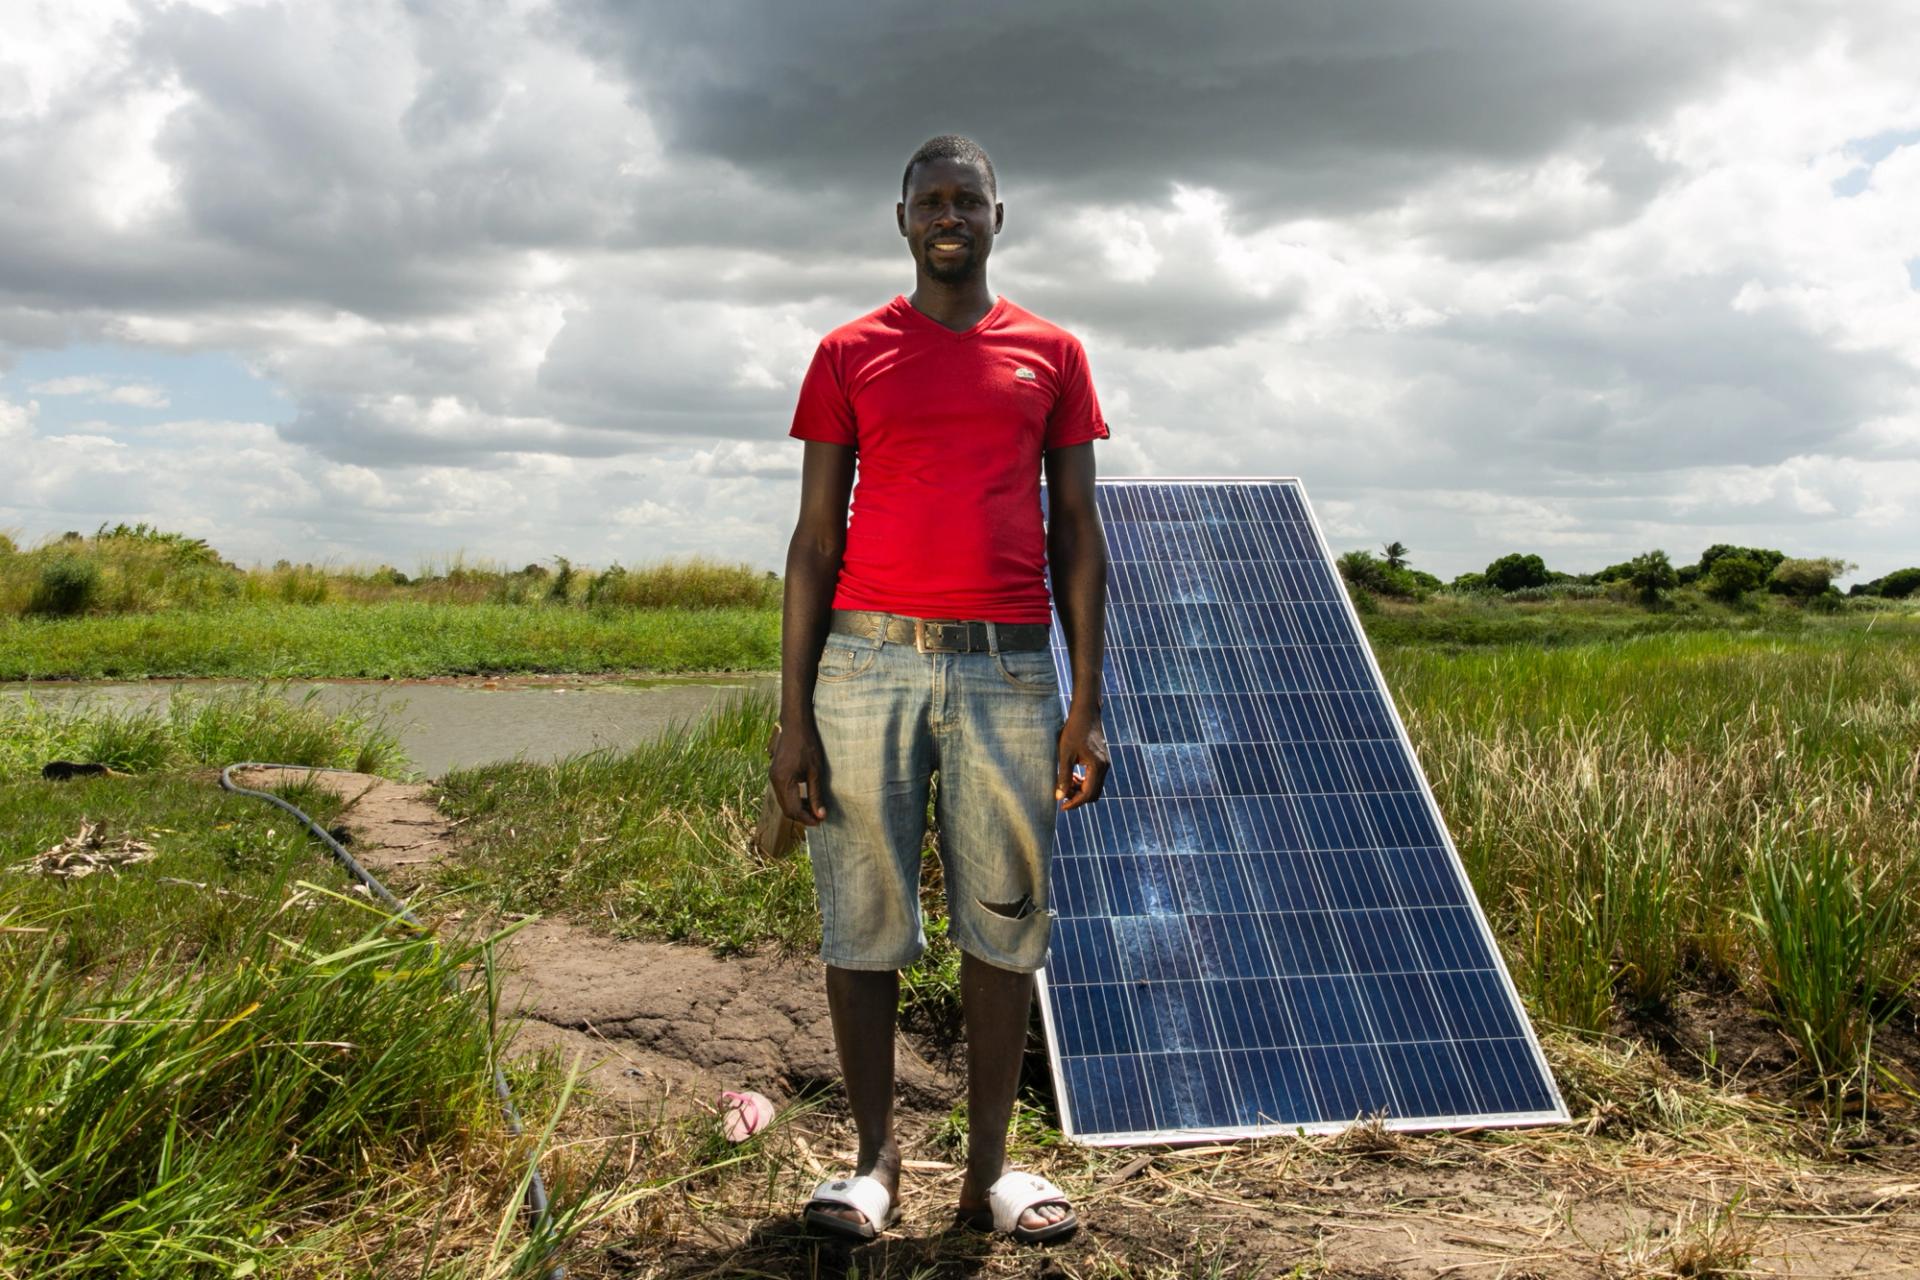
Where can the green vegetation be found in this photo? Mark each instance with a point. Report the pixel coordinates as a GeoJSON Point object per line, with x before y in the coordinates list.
{"type": "Point", "coordinates": [657, 840]}
{"type": "Point", "coordinates": [400, 639]}
{"type": "Point", "coordinates": [214, 1060]}
{"type": "Point", "coordinates": [1690, 811]}
{"type": "Point", "coordinates": [1615, 804]}
{"type": "Point", "coordinates": [1516, 572]}
{"type": "Point", "coordinates": [223, 1064]}
{"type": "Point", "coordinates": [1898, 585]}
{"type": "Point", "coordinates": [139, 569]}
{"type": "Point", "coordinates": [193, 730]}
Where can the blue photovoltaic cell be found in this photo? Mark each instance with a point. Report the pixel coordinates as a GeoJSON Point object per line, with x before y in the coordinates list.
{"type": "Point", "coordinates": [1262, 924]}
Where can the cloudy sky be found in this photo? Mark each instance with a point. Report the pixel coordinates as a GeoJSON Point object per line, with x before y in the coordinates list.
{"type": "Point", "coordinates": [379, 281]}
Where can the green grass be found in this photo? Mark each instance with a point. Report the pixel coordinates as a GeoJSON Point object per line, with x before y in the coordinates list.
{"type": "Point", "coordinates": [1449, 621]}
{"type": "Point", "coordinates": [695, 616]}
{"type": "Point", "coordinates": [400, 639]}
{"type": "Point", "coordinates": [133, 569]}
{"type": "Point", "coordinates": [654, 841]}
{"type": "Point", "coordinates": [1613, 803]}
{"type": "Point", "coordinates": [1620, 808]}
{"type": "Point", "coordinates": [220, 1063]}
{"type": "Point", "coordinates": [193, 729]}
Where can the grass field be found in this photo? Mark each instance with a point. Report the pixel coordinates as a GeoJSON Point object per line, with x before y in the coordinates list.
{"type": "Point", "coordinates": [217, 1062]}
{"type": "Point", "coordinates": [418, 638]}
{"type": "Point", "coordinates": [1719, 812]}
{"type": "Point", "coordinates": [400, 639]}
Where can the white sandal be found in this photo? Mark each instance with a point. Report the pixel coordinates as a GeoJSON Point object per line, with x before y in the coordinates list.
{"type": "Point", "coordinates": [1014, 1194]}
{"type": "Point", "coordinates": [867, 1194]}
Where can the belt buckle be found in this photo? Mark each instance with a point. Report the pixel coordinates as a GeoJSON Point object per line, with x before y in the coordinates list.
{"type": "Point", "coordinates": [929, 633]}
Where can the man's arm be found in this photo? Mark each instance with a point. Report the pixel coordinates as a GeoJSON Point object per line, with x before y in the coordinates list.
{"type": "Point", "coordinates": [1077, 554]}
{"type": "Point", "coordinates": [813, 569]}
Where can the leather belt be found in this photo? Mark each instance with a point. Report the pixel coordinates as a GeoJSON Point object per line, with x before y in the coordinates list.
{"type": "Point", "coordinates": [937, 635]}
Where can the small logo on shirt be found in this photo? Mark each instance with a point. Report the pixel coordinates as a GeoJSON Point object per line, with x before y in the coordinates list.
{"type": "Point", "coordinates": [1025, 373]}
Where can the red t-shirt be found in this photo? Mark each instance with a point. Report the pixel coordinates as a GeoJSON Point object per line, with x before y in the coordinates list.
{"type": "Point", "coordinates": [950, 428]}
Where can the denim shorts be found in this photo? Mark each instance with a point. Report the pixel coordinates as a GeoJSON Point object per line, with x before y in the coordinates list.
{"type": "Point", "coordinates": [989, 724]}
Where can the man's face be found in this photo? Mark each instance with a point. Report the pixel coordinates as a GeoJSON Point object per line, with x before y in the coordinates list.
{"type": "Point", "coordinates": [949, 218]}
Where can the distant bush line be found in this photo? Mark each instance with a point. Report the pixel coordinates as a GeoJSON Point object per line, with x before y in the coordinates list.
{"type": "Point", "coordinates": [1725, 573]}
{"type": "Point", "coordinates": [139, 569]}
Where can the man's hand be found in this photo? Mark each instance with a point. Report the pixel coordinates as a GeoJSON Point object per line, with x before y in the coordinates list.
{"type": "Point", "coordinates": [1083, 743]}
{"type": "Point", "coordinates": [798, 771]}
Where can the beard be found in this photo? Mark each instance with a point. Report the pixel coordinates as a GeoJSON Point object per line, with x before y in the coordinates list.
{"type": "Point", "coordinates": [959, 270]}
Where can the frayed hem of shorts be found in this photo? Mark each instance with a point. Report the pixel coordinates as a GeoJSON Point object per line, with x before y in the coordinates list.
{"type": "Point", "coordinates": [996, 963]}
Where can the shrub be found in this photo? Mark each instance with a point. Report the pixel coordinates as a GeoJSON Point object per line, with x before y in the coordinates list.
{"type": "Point", "coordinates": [1805, 579]}
{"type": "Point", "coordinates": [1732, 577]}
{"type": "Point", "coordinates": [1830, 934]}
{"type": "Point", "coordinates": [1469, 582]}
{"type": "Point", "coordinates": [68, 584]}
{"type": "Point", "coordinates": [1365, 572]}
{"type": "Point", "coordinates": [1900, 584]}
{"type": "Point", "coordinates": [1765, 557]}
{"type": "Point", "coordinates": [181, 549]}
{"type": "Point", "coordinates": [1515, 571]}
{"type": "Point", "coordinates": [7, 545]}
{"type": "Point", "coordinates": [1622, 572]}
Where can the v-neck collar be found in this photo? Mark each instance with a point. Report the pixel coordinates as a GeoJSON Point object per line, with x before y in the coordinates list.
{"type": "Point", "coordinates": [980, 326]}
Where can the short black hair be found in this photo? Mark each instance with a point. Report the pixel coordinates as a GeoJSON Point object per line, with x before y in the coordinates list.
{"type": "Point", "coordinates": [951, 146]}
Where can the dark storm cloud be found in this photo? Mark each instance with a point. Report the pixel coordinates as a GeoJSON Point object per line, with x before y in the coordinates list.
{"type": "Point", "coordinates": [1290, 107]}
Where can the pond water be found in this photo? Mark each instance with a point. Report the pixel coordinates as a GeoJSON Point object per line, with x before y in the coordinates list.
{"type": "Point", "coordinates": [460, 721]}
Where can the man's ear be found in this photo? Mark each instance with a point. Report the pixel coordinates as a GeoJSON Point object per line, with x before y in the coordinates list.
{"type": "Point", "coordinates": [999, 216]}
{"type": "Point", "coordinates": [900, 216]}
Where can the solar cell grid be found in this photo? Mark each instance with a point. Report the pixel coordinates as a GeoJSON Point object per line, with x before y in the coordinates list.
{"type": "Point", "coordinates": [1262, 924]}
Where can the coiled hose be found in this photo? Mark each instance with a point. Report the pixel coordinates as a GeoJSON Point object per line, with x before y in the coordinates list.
{"type": "Point", "coordinates": [536, 1206]}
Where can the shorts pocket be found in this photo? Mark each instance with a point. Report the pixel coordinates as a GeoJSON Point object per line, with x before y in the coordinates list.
{"type": "Point", "coordinates": [1028, 670]}
{"type": "Point", "coordinates": [841, 660]}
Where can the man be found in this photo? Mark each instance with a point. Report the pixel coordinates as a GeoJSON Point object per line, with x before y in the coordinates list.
{"type": "Point", "coordinates": [914, 640]}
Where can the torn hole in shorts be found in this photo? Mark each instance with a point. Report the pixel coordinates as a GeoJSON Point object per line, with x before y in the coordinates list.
{"type": "Point", "coordinates": [1012, 910]}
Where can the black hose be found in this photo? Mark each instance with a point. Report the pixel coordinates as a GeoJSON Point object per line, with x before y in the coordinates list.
{"type": "Point", "coordinates": [537, 1206]}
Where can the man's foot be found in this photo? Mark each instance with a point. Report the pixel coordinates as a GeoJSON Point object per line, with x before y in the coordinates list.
{"type": "Point", "coordinates": [1047, 1218]}
{"type": "Point", "coordinates": [884, 1169]}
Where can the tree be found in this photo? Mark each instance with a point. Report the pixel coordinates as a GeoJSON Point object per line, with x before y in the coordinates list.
{"type": "Point", "coordinates": [1765, 557]}
{"type": "Point", "coordinates": [1614, 572]}
{"type": "Point", "coordinates": [1516, 572]}
{"type": "Point", "coordinates": [1367, 572]}
{"type": "Point", "coordinates": [1651, 573]}
{"type": "Point", "coordinates": [1396, 555]}
{"type": "Point", "coordinates": [1732, 577]}
{"type": "Point", "coordinates": [1805, 579]}
{"type": "Point", "coordinates": [1900, 584]}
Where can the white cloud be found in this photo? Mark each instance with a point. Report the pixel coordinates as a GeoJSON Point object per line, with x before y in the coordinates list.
{"type": "Point", "coordinates": [98, 390]}
{"type": "Point", "coordinates": [542, 278]}
{"type": "Point", "coordinates": [76, 385]}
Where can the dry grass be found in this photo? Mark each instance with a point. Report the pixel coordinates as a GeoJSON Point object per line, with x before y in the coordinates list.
{"type": "Point", "coordinates": [1660, 1176]}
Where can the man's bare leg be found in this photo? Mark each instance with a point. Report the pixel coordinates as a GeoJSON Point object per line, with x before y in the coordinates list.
{"type": "Point", "coordinates": [997, 1004]}
{"type": "Point", "coordinates": [863, 1003]}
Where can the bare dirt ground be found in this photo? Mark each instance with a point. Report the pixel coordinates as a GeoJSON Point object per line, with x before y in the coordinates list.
{"type": "Point", "coordinates": [1662, 1174]}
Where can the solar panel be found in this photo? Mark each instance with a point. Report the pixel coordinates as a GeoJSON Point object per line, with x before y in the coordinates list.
{"type": "Point", "coordinates": [1262, 926]}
